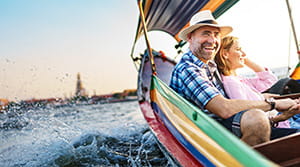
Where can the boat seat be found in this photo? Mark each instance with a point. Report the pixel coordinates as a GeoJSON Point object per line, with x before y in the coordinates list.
{"type": "Point", "coordinates": [283, 151]}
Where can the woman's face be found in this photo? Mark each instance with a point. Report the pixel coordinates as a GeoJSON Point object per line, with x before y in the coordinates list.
{"type": "Point", "coordinates": [235, 56]}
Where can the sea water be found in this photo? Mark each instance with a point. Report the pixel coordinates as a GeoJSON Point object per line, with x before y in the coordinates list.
{"type": "Point", "coordinates": [112, 134]}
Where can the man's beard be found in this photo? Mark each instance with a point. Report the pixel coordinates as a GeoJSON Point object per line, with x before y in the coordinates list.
{"type": "Point", "coordinates": [201, 53]}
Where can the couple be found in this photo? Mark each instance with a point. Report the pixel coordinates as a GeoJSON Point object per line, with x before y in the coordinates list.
{"type": "Point", "coordinates": [197, 79]}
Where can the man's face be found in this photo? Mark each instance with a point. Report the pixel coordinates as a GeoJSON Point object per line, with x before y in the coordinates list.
{"type": "Point", "coordinates": [205, 42]}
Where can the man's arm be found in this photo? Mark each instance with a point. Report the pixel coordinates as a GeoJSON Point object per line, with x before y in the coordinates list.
{"type": "Point", "coordinates": [226, 108]}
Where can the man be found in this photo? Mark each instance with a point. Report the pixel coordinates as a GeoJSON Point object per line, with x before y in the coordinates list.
{"type": "Point", "coordinates": [195, 77]}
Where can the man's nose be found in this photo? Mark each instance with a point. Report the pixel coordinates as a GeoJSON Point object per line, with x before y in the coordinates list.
{"type": "Point", "coordinates": [212, 39]}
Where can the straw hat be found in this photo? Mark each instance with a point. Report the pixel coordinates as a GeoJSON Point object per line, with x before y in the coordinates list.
{"type": "Point", "coordinates": [203, 18]}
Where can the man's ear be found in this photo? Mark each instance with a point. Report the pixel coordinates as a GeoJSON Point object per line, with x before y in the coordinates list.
{"type": "Point", "coordinates": [189, 36]}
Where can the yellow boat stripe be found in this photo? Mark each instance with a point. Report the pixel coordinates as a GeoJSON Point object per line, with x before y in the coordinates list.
{"type": "Point", "coordinates": [203, 143]}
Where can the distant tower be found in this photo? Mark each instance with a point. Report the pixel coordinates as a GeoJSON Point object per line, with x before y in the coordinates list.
{"type": "Point", "coordinates": [80, 91]}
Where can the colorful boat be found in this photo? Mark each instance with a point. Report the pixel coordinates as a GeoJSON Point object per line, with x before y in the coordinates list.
{"type": "Point", "coordinates": [183, 131]}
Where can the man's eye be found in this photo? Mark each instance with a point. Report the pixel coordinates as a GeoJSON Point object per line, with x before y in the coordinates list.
{"type": "Point", "coordinates": [206, 34]}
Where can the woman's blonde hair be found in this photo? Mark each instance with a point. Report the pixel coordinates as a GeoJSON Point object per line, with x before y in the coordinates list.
{"type": "Point", "coordinates": [223, 63]}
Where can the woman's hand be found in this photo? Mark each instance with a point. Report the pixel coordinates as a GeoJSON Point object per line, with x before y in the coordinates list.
{"type": "Point", "coordinates": [289, 113]}
{"type": "Point", "coordinates": [269, 95]}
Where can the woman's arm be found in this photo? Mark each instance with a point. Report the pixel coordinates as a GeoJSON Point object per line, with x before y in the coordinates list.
{"type": "Point", "coordinates": [264, 79]}
{"type": "Point", "coordinates": [254, 66]}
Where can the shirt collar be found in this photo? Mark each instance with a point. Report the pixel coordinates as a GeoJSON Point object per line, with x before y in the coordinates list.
{"type": "Point", "coordinates": [211, 65]}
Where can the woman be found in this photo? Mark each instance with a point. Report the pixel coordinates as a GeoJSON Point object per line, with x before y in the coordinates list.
{"type": "Point", "coordinates": [230, 58]}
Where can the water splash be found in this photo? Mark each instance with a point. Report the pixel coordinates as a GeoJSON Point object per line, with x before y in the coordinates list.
{"type": "Point", "coordinates": [75, 136]}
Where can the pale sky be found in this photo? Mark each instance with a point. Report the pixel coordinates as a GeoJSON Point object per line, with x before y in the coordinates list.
{"type": "Point", "coordinates": [44, 44]}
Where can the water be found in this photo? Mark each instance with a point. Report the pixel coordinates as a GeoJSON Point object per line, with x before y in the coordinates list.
{"type": "Point", "coordinates": [114, 134]}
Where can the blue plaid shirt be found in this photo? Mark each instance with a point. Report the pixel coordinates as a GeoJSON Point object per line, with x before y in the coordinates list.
{"type": "Point", "coordinates": [195, 81]}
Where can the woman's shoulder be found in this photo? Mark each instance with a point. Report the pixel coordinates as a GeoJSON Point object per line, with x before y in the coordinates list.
{"type": "Point", "coordinates": [231, 78]}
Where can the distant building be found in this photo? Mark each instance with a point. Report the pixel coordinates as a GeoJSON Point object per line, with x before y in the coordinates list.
{"type": "Point", "coordinates": [3, 103]}
{"type": "Point", "coordinates": [130, 92]}
{"type": "Point", "coordinates": [44, 101]}
{"type": "Point", "coordinates": [101, 98]}
{"type": "Point", "coordinates": [80, 91]}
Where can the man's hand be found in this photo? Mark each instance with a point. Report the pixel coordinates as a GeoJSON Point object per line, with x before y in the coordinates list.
{"type": "Point", "coordinates": [282, 105]}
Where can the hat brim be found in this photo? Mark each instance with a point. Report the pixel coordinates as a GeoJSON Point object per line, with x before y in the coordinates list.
{"type": "Point", "coordinates": [224, 30]}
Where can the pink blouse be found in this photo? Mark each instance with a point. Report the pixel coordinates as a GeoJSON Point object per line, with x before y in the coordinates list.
{"type": "Point", "coordinates": [238, 87]}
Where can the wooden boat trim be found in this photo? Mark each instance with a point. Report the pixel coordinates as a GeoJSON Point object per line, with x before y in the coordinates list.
{"type": "Point", "coordinates": [283, 151]}
{"type": "Point", "coordinates": [292, 96]}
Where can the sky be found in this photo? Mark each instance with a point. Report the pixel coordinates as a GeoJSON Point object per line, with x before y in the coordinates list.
{"type": "Point", "coordinates": [44, 44]}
